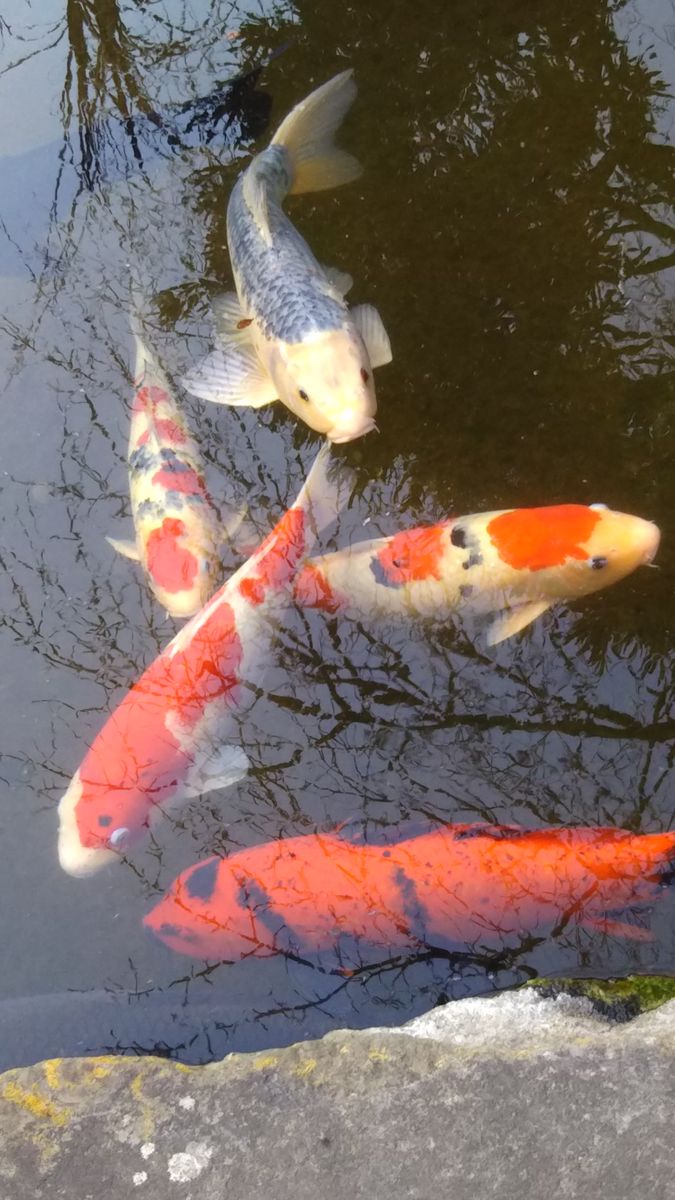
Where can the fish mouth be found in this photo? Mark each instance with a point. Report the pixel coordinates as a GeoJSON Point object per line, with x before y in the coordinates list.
{"type": "Point", "coordinates": [78, 860]}
{"type": "Point", "coordinates": [348, 433]}
{"type": "Point", "coordinates": [653, 541]}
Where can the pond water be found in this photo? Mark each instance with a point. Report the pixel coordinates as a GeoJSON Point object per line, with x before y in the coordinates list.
{"type": "Point", "coordinates": [515, 227]}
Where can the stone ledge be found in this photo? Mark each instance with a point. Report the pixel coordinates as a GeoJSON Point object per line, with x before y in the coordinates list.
{"type": "Point", "coordinates": [480, 1098]}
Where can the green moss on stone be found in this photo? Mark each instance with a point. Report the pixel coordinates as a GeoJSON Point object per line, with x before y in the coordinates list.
{"type": "Point", "coordinates": [619, 999]}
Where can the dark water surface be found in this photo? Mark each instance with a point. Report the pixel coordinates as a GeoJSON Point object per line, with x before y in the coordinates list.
{"type": "Point", "coordinates": [515, 227]}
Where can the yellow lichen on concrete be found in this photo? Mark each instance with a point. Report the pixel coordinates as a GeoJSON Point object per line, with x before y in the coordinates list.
{"type": "Point", "coordinates": [379, 1056]}
{"type": "Point", "coordinates": [303, 1069]}
{"type": "Point", "coordinates": [267, 1060]}
{"type": "Point", "coordinates": [35, 1104]}
{"type": "Point", "coordinates": [147, 1114]}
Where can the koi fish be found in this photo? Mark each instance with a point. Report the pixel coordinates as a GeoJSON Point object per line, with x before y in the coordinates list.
{"type": "Point", "coordinates": [517, 563]}
{"type": "Point", "coordinates": [485, 887]}
{"type": "Point", "coordinates": [175, 734]}
{"type": "Point", "coordinates": [176, 525]}
{"type": "Point", "coordinates": [287, 333]}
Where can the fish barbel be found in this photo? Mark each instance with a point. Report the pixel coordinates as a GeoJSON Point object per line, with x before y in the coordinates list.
{"type": "Point", "coordinates": [175, 735]}
{"type": "Point", "coordinates": [287, 333]}
{"type": "Point", "coordinates": [515, 563]}
{"type": "Point", "coordinates": [175, 522]}
{"type": "Point", "coordinates": [475, 888]}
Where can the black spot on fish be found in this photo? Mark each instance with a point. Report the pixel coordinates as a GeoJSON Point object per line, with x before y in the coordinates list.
{"type": "Point", "coordinates": [171, 463]}
{"type": "Point", "coordinates": [171, 931]}
{"type": "Point", "coordinates": [412, 907]}
{"type": "Point", "coordinates": [386, 853]}
{"type": "Point", "coordinates": [466, 590]}
{"type": "Point", "coordinates": [598, 563]}
{"type": "Point", "coordinates": [364, 375]}
{"type": "Point", "coordinates": [303, 395]}
{"type": "Point", "coordinates": [474, 560]}
{"type": "Point", "coordinates": [175, 499]}
{"type": "Point", "coordinates": [200, 884]}
{"type": "Point", "coordinates": [141, 458]}
{"type": "Point", "coordinates": [256, 900]}
{"type": "Point", "coordinates": [381, 576]}
{"type": "Point", "coordinates": [149, 508]}
{"type": "Point", "coordinates": [458, 537]}
{"type": "Point", "coordinates": [105, 821]}
{"type": "Point", "coordinates": [498, 834]}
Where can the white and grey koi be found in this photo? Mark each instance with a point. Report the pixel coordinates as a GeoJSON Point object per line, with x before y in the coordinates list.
{"type": "Point", "coordinates": [287, 333]}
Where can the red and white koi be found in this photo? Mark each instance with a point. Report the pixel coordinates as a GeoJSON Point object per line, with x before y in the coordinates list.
{"type": "Point", "coordinates": [175, 735]}
{"type": "Point", "coordinates": [475, 888]}
{"type": "Point", "coordinates": [516, 563]}
{"type": "Point", "coordinates": [175, 522]}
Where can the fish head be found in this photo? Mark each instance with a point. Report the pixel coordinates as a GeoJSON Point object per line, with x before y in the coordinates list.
{"type": "Point", "coordinates": [208, 913]}
{"type": "Point", "coordinates": [89, 834]}
{"type": "Point", "coordinates": [327, 381]}
{"type": "Point", "coordinates": [567, 550]}
{"type": "Point", "coordinates": [619, 543]}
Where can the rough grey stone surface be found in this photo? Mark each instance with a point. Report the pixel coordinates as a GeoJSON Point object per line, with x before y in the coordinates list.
{"type": "Point", "coordinates": [508, 1097]}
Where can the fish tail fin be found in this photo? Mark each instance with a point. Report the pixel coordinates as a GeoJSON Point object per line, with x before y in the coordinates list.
{"type": "Point", "coordinates": [307, 137]}
{"type": "Point", "coordinates": [319, 498]}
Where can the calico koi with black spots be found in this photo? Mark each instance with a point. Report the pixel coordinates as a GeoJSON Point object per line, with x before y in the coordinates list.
{"type": "Point", "coordinates": [514, 563]}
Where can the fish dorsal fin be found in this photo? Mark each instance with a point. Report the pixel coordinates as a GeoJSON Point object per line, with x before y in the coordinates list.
{"type": "Point", "coordinates": [307, 137]}
{"type": "Point", "coordinates": [340, 281]}
{"type": "Point", "coordinates": [222, 767]}
{"type": "Point", "coordinates": [232, 323]}
{"type": "Point", "coordinates": [369, 324]}
{"type": "Point", "coordinates": [125, 547]}
{"type": "Point", "coordinates": [233, 376]}
{"type": "Point", "coordinates": [254, 188]}
{"type": "Point", "coordinates": [514, 620]}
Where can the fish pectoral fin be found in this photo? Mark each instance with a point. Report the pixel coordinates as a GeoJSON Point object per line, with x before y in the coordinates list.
{"type": "Point", "coordinates": [514, 620]}
{"type": "Point", "coordinates": [340, 281]}
{"type": "Point", "coordinates": [622, 929]}
{"type": "Point", "coordinates": [369, 324]}
{"type": "Point", "coordinates": [221, 768]}
{"type": "Point", "coordinates": [125, 547]}
{"type": "Point", "coordinates": [232, 323]}
{"type": "Point", "coordinates": [234, 376]}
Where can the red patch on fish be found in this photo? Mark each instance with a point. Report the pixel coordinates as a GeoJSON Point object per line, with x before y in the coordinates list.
{"type": "Point", "coordinates": [279, 556]}
{"type": "Point", "coordinates": [171, 566]}
{"type": "Point", "coordinates": [147, 397]}
{"type": "Point", "coordinates": [309, 892]}
{"type": "Point", "coordinates": [312, 590]}
{"type": "Point", "coordinates": [170, 431]}
{"type": "Point", "coordinates": [414, 554]}
{"type": "Point", "coordinates": [187, 482]}
{"type": "Point", "coordinates": [137, 760]}
{"type": "Point", "coordinates": [536, 538]}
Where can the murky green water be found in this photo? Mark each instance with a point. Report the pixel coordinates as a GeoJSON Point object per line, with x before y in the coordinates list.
{"type": "Point", "coordinates": [515, 228]}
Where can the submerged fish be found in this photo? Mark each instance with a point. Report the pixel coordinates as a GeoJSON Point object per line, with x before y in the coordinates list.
{"type": "Point", "coordinates": [287, 334]}
{"type": "Point", "coordinates": [175, 735]}
{"type": "Point", "coordinates": [455, 887]}
{"type": "Point", "coordinates": [516, 563]}
{"type": "Point", "coordinates": [176, 524]}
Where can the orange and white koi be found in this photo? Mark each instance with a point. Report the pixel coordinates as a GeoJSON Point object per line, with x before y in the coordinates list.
{"type": "Point", "coordinates": [176, 734]}
{"type": "Point", "coordinates": [516, 563]}
{"type": "Point", "coordinates": [175, 521]}
{"type": "Point", "coordinates": [288, 334]}
{"type": "Point", "coordinates": [475, 888]}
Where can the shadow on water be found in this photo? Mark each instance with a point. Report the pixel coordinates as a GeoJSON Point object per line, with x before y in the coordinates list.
{"type": "Point", "coordinates": [514, 226]}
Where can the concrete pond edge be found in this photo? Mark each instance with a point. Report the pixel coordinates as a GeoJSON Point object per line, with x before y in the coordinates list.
{"type": "Point", "coordinates": [480, 1097]}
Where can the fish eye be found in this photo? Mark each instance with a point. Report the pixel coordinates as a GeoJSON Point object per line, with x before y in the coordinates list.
{"type": "Point", "coordinates": [598, 563]}
{"type": "Point", "coordinates": [364, 375]}
{"type": "Point", "coordinates": [303, 395]}
{"type": "Point", "coordinates": [598, 507]}
{"type": "Point", "coordinates": [118, 837]}
{"type": "Point", "coordinates": [104, 821]}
